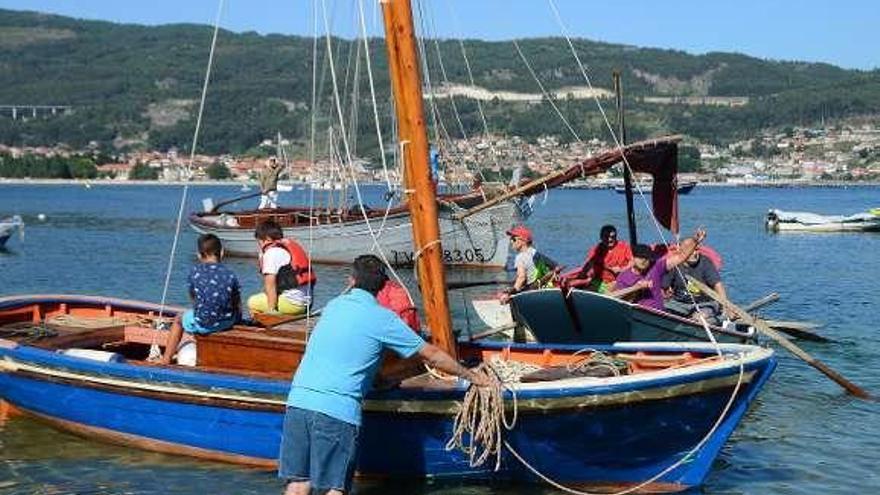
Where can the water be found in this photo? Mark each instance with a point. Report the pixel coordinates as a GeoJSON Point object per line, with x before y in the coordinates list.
{"type": "Point", "coordinates": [803, 435]}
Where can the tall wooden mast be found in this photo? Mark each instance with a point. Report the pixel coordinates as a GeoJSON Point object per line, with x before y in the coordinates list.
{"type": "Point", "coordinates": [406, 85]}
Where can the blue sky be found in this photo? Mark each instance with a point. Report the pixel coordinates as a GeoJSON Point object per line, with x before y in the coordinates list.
{"type": "Point", "coordinates": [843, 32]}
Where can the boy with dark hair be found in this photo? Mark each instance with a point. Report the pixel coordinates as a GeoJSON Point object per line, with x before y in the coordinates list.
{"type": "Point", "coordinates": [216, 297]}
{"type": "Point", "coordinates": [287, 273]}
{"type": "Point", "coordinates": [319, 443]}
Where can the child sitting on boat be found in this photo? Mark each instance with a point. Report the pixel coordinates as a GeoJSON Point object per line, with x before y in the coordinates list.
{"type": "Point", "coordinates": [216, 297]}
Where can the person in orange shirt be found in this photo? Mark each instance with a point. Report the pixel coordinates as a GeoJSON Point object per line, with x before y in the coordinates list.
{"type": "Point", "coordinates": [604, 262]}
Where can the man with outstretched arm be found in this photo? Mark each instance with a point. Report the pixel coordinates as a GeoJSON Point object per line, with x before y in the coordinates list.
{"type": "Point", "coordinates": [319, 444]}
{"type": "Point", "coordinates": [644, 281]}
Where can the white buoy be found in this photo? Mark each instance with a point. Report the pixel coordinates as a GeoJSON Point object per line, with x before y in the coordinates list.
{"type": "Point", "coordinates": [41, 217]}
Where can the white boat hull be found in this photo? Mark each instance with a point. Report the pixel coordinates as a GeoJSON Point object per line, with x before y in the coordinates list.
{"type": "Point", "coordinates": [783, 221]}
{"type": "Point", "coordinates": [478, 240]}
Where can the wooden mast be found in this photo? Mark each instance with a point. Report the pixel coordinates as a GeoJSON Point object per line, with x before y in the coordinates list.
{"type": "Point", "coordinates": [406, 85]}
{"type": "Point", "coordinates": [627, 173]}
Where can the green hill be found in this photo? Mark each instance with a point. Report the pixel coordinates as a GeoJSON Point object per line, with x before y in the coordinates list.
{"type": "Point", "coordinates": [138, 86]}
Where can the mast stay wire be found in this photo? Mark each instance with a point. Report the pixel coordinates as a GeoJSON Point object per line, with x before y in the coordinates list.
{"type": "Point", "coordinates": [338, 104]}
{"type": "Point", "coordinates": [625, 161]}
{"type": "Point", "coordinates": [192, 155]}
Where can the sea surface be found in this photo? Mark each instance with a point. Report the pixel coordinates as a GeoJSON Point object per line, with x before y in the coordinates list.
{"type": "Point", "coordinates": [804, 435]}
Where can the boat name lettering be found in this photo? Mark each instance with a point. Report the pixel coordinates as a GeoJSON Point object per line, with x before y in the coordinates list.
{"type": "Point", "coordinates": [470, 255]}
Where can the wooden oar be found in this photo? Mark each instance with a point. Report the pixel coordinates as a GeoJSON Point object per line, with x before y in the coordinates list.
{"type": "Point", "coordinates": [760, 303]}
{"type": "Point", "coordinates": [800, 329]}
{"type": "Point", "coordinates": [465, 285]}
{"type": "Point", "coordinates": [233, 200]}
{"type": "Point", "coordinates": [850, 387]}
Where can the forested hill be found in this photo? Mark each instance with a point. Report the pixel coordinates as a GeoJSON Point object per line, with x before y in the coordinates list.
{"type": "Point", "coordinates": [136, 86]}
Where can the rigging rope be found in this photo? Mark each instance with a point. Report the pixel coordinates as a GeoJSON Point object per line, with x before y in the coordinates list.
{"type": "Point", "coordinates": [347, 149]}
{"type": "Point", "coordinates": [544, 92]}
{"type": "Point", "coordinates": [192, 155]}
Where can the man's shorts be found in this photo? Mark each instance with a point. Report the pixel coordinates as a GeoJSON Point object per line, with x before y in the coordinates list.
{"type": "Point", "coordinates": [192, 325]}
{"type": "Point", "coordinates": [319, 449]}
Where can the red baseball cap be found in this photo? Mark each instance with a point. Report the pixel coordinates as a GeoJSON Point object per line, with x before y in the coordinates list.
{"type": "Point", "coordinates": [522, 232]}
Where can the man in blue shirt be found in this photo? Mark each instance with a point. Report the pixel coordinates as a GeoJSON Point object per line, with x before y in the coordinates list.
{"type": "Point", "coordinates": [319, 445]}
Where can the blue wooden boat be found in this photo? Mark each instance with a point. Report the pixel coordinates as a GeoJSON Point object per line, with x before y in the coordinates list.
{"type": "Point", "coordinates": [586, 317]}
{"type": "Point", "coordinates": [583, 431]}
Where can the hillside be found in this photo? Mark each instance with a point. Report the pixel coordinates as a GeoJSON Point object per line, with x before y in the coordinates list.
{"type": "Point", "coordinates": [138, 86]}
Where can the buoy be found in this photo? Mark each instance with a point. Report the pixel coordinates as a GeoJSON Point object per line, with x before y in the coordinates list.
{"type": "Point", "coordinates": [41, 217]}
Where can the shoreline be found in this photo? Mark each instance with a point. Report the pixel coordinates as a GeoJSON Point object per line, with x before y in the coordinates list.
{"type": "Point", "coordinates": [200, 183]}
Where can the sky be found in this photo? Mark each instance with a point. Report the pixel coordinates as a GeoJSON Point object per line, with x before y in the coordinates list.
{"type": "Point", "coordinates": [843, 32]}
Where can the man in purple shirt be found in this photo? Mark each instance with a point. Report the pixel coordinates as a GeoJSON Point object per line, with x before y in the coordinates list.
{"type": "Point", "coordinates": [643, 283]}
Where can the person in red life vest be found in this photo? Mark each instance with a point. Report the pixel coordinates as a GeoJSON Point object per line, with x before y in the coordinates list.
{"type": "Point", "coordinates": [287, 274]}
{"type": "Point", "coordinates": [393, 296]}
{"type": "Point", "coordinates": [604, 262]}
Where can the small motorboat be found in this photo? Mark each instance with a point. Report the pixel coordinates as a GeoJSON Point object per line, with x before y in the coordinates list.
{"type": "Point", "coordinates": [8, 226]}
{"type": "Point", "coordinates": [798, 221]}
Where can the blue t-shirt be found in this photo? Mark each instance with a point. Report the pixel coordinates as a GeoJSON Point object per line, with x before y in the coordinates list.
{"type": "Point", "coordinates": [215, 292]}
{"type": "Point", "coordinates": [344, 352]}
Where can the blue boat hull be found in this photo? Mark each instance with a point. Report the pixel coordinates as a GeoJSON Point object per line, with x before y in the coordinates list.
{"type": "Point", "coordinates": [605, 436]}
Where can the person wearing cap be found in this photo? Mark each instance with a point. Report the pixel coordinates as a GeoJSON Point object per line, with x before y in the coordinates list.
{"type": "Point", "coordinates": [530, 265]}
{"type": "Point", "coordinates": [643, 283]}
{"type": "Point", "coordinates": [604, 262]}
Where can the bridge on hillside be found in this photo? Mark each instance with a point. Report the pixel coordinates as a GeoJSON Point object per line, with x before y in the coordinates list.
{"type": "Point", "coordinates": [33, 111]}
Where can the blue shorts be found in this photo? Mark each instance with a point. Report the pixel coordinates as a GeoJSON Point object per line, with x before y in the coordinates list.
{"type": "Point", "coordinates": [319, 449]}
{"type": "Point", "coordinates": [191, 325]}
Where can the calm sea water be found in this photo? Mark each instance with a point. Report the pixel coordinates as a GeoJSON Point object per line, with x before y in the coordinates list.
{"type": "Point", "coordinates": [803, 435]}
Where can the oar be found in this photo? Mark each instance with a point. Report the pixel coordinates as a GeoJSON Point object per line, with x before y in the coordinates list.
{"type": "Point", "coordinates": [760, 303]}
{"type": "Point", "coordinates": [233, 200]}
{"type": "Point", "coordinates": [492, 331]}
{"type": "Point", "coordinates": [465, 285]}
{"type": "Point", "coordinates": [784, 342]}
{"type": "Point", "coordinates": [800, 329]}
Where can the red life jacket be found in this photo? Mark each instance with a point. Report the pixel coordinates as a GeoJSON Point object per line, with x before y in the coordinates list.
{"type": "Point", "coordinates": [298, 272]}
{"type": "Point", "coordinates": [394, 297]}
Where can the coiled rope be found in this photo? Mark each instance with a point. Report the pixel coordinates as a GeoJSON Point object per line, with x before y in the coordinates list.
{"type": "Point", "coordinates": [477, 426]}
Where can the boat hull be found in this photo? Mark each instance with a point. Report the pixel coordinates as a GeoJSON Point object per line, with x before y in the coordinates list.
{"type": "Point", "coordinates": [581, 431]}
{"type": "Point", "coordinates": [824, 227]}
{"type": "Point", "coordinates": [592, 318]}
{"type": "Point", "coordinates": [228, 418]}
{"type": "Point", "coordinates": [478, 240]}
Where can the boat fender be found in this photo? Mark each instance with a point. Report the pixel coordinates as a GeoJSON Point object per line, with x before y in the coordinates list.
{"type": "Point", "coordinates": [94, 355]}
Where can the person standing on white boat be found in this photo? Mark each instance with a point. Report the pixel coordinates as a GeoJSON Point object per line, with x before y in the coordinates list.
{"type": "Point", "coordinates": [269, 184]}
{"type": "Point", "coordinates": [322, 421]}
{"type": "Point", "coordinates": [287, 273]}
